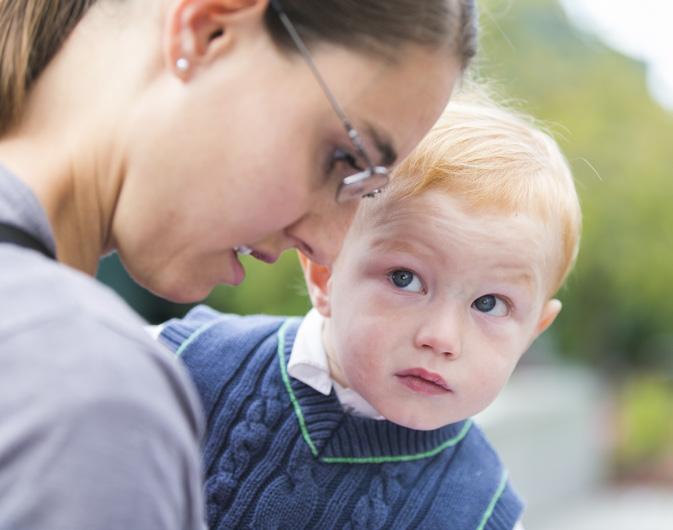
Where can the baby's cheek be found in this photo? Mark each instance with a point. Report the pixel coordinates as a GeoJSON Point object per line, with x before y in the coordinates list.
{"type": "Point", "coordinates": [486, 386]}
{"type": "Point", "coordinates": [362, 366]}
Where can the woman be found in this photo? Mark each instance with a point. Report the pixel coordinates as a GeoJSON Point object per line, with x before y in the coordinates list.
{"type": "Point", "coordinates": [178, 133]}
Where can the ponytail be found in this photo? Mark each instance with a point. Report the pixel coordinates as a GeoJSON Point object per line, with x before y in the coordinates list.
{"type": "Point", "coordinates": [31, 32]}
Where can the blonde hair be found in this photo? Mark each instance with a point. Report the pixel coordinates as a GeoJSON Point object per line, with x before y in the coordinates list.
{"type": "Point", "coordinates": [494, 160]}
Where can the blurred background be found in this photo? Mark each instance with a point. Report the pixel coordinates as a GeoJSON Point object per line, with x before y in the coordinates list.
{"type": "Point", "coordinates": [586, 423]}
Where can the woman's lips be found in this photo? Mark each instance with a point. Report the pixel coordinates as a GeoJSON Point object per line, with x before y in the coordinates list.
{"type": "Point", "coordinates": [424, 382]}
{"type": "Point", "coordinates": [266, 258]}
{"type": "Point", "coordinates": [243, 250]}
{"type": "Point", "coordinates": [238, 272]}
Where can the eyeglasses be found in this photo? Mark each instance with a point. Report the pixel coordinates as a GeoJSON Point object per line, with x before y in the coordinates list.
{"type": "Point", "coordinates": [368, 182]}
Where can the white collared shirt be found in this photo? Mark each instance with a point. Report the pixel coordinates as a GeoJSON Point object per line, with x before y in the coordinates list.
{"type": "Point", "coordinates": [308, 363]}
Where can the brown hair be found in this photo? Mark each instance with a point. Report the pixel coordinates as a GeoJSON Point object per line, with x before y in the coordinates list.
{"type": "Point", "coordinates": [32, 31]}
{"type": "Point", "coordinates": [380, 26]}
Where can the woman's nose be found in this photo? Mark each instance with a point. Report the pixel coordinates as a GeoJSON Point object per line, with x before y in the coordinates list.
{"type": "Point", "coordinates": [320, 233]}
{"type": "Point", "coordinates": [441, 332]}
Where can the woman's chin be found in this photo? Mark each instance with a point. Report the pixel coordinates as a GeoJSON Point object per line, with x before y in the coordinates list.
{"type": "Point", "coordinates": [181, 294]}
{"type": "Point", "coordinates": [178, 288]}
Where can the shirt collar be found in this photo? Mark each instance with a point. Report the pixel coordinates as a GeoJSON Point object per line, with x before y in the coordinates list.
{"type": "Point", "coordinates": [308, 360]}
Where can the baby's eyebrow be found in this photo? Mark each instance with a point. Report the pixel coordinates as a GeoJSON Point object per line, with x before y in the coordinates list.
{"type": "Point", "coordinates": [517, 274]}
{"type": "Point", "coordinates": [399, 245]}
{"type": "Point", "coordinates": [386, 244]}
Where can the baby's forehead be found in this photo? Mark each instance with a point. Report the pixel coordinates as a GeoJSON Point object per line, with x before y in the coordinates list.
{"type": "Point", "coordinates": [436, 223]}
{"type": "Point", "coordinates": [449, 216]}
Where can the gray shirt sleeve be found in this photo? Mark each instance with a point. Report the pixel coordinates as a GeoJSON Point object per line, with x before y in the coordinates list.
{"type": "Point", "coordinates": [99, 427]}
{"type": "Point", "coordinates": [96, 434]}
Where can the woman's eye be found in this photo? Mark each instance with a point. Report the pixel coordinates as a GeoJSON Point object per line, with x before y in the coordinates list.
{"type": "Point", "coordinates": [344, 161]}
{"type": "Point", "coordinates": [492, 305]}
{"type": "Point", "coordinates": [406, 280]}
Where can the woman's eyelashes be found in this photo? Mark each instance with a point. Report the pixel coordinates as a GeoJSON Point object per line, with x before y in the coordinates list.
{"type": "Point", "coordinates": [406, 280]}
{"type": "Point", "coordinates": [493, 305]}
{"type": "Point", "coordinates": [343, 163]}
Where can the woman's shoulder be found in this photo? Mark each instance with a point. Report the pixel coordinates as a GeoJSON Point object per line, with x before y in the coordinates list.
{"type": "Point", "coordinates": [67, 334]}
{"type": "Point", "coordinates": [36, 290]}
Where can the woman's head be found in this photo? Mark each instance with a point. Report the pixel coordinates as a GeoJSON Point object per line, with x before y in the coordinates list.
{"type": "Point", "coordinates": [379, 27]}
{"type": "Point", "coordinates": [222, 135]}
{"type": "Point", "coordinates": [32, 31]}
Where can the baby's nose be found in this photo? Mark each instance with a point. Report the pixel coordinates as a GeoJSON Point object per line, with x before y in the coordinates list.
{"type": "Point", "coordinates": [441, 334]}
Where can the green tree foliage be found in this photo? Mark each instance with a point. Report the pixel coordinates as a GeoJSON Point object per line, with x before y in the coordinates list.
{"type": "Point", "coordinates": [619, 301]}
{"type": "Point", "coordinates": [277, 289]}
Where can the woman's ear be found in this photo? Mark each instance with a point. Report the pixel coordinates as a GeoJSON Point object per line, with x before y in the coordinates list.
{"type": "Point", "coordinates": [198, 31]}
{"type": "Point", "coordinates": [317, 282]}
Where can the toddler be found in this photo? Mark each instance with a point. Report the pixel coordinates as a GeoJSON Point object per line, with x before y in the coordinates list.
{"type": "Point", "coordinates": [358, 415]}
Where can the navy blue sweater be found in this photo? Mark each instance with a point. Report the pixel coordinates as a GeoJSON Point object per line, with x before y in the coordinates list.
{"type": "Point", "coordinates": [279, 454]}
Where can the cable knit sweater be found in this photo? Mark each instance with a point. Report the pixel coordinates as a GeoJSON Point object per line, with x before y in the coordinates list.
{"type": "Point", "coordinates": [279, 454]}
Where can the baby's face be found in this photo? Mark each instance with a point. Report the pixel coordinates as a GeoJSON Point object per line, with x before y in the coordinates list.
{"type": "Point", "coordinates": [430, 308]}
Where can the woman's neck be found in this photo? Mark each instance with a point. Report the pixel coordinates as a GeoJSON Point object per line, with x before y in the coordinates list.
{"type": "Point", "coordinates": [78, 200]}
{"type": "Point", "coordinates": [69, 143]}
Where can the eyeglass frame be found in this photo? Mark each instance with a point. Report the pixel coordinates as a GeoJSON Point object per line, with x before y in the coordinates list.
{"type": "Point", "coordinates": [354, 185]}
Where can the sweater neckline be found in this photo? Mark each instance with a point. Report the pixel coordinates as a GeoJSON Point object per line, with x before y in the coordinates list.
{"type": "Point", "coordinates": [335, 437]}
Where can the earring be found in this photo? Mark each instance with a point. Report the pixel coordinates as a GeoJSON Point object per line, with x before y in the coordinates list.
{"type": "Point", "coordinates": [182, 64]}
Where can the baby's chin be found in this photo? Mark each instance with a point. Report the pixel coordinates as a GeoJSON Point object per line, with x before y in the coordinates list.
{"type": "Point", "coordinates": [416, 419]}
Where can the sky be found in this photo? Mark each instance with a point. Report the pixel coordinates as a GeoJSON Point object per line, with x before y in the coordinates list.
{"type": "Point", "coordinates": [642, 30]}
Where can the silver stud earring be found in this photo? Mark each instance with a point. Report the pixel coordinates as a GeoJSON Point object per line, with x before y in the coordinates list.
{"type": "Point", "coordinates": [182, 64]}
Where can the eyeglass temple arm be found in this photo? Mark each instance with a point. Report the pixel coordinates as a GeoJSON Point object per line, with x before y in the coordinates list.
{"type": "Point", "coordinates": [299, 42]}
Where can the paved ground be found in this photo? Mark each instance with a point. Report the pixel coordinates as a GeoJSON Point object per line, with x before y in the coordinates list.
{"type": "Point", "coordinates": [551, 427]}
{"type": "Point", "coordinates": [636, 508]}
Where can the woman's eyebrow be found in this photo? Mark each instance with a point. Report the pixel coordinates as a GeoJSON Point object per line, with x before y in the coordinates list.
{"type": "Point", "coordinates": [382, 144]}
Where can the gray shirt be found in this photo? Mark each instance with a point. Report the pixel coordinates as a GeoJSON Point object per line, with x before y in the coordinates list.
{"type": "Point", "coordinates": [99, 426]}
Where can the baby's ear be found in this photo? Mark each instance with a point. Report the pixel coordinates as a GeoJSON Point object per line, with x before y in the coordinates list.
{"type": "Point", "coordinates": [549, 313]}
{"type": "Point", "coordinates": [317, 282]}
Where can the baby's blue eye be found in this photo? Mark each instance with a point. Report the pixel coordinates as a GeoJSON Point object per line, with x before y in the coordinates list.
{"type": "Point", "coordinates": [406, 280]}
{"type": "Point", "coordinates": [492, 305]}
{"type": "Point", "coordinates": [401, 278]}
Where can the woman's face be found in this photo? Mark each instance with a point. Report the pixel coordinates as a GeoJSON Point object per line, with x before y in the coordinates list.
{"type": "Point", "coordinates": [242, 153]}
